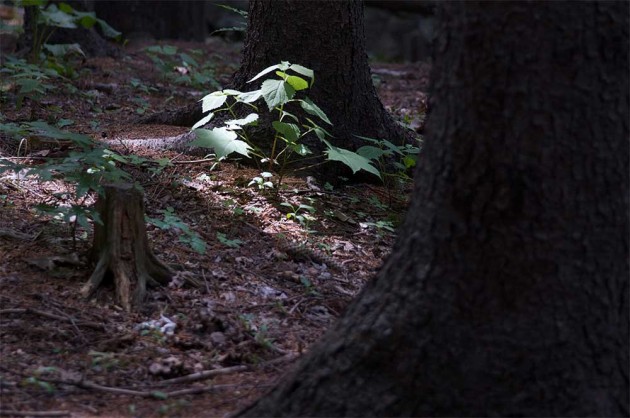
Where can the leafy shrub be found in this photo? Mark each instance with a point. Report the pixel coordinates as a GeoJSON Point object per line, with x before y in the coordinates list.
{"type": "Point", "coordinates": [279, 94]}
{"type": "Point", "coordinates": [183, 68]}
{"type": "Point", "coordinates": [51, 16]}
{"type": "Point", "coordinates": [87, 168]}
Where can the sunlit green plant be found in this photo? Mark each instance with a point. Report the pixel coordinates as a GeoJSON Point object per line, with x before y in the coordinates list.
{"type": "Point", "coordinates": [302, 213]}
{"type": "Point", "coordinates": [403, 158]}
{"type": "Point", "coordinates": [87, 167]}
{"type": "Point", "coordinates": [280, 96]}
{"type": "Point", "coordinates": [263, 181]}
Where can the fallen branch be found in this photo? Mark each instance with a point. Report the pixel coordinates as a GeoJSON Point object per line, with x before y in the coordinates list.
{"type": "Point", "coordinates": [206, 374]}
{"type": "Point", "coordinates": [203, 160]}
{"type": "Point", "coordinates": [49, 315]}
{"type": "Point", "coordinates": [86, 384]}
{"type": "Point", "coordinates": [7, 413]}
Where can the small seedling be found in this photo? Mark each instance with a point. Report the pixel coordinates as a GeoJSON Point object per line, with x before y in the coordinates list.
{"type": "Point", "coordinates": [186, 235]}
{"type": "Point", "coordinates": [302, 213]}
{"type": "Point", "coordinates": [262, 182]}
{"type": "Point", "coordinates": [232, 243]}
{"type": "Point", "coordinates": [309, 288]}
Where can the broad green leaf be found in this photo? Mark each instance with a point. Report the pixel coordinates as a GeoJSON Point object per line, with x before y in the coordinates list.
{"type": "Point", "coordinates": [187, 59]}
{"type": "Point", "coordinates": [64, 122]}
{"type": "Point", "coordinates": [289, 131]}
{"type": "Point", "coordinates": [300, 149]}
{"type": "Point", "coordinates": [276, 92]}
{"type": "Point", "coordinates": [298, 83]}
{"type": "Point", "coordinates": [351, 159]}
{"type": "Point", "coordinates": [222, 140]}
{"type": "Point", "coordinates": [203, 121]}
{"type": "Point", "coordinates": [247, 120]}
{"type": "Point", "coordinates": [52, 16]}
{"type": "Point", "coordinates": [61, 50]}
{"type": "Point", "coordinates": [231, 92]}
{"type": "Point", "coordinates": [307, 72]}
{"type": "Point", "coordinates": [290, 115]}
{"type": "Point", "coordinates": [381, 142]}
{"type": "Point", "coordinates": [213, 101]}
{"type": "Point", "coordinates": [391, 146]}
{"type": "Point", "coordinates": [265, 71]}
{"type": "Point", "coordinates": [29, 85]}
{"type": "Point", "coordinates": [370, 152]}
{"type": "Point", "coordinates": [250, 96]}
{"type": "Point", "coordinates": [169, 50]}
{"type": "Point", "coordinates": [42, 128]}
{"type": "Point", "coordinates": [312, 109]}
{"type": "Point", "coordinates": [108, 31]}
{"type": "Point", "coordinates": [87, 21]}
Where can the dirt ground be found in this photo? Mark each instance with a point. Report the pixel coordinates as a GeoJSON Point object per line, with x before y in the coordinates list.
{"type": "Point", "coordinates": [232, 320]}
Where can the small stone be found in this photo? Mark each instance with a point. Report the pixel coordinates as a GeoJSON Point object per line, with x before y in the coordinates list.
{"type": "Point", "coordinates": [217, 338]}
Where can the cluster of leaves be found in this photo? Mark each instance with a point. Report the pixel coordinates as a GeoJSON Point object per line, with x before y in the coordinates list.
{"type": "Point", "coordinates": [170, 221]}
{"type": "Point", "coordinates": [50, 16]}
{"type": "Point", "coordinates": [402, 158]}
{"type": "Point", "coordinates": [185, 68]}
{"type": "Point", "coordinates": [278, 94]}
{"type": "Point", "coordinates": [30, 79]}
{"type": "Point", "coordinates": [87, 167]}
{"type": "Point", "coordinates": [33, 77]}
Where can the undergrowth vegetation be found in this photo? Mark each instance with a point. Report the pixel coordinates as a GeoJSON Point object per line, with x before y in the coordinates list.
{"type": "Point", "coordinates": [280, 95]}
{"type": "Point", "coordinates": [88, 164]}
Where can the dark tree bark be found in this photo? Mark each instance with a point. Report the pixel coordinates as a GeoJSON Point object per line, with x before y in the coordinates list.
{"type": "Point", "coordinates": [328, 37]}
{"type": "Point", "coordinates": [507, 291]}
{"type": "Point", "coordinates": [121, 248]}
{"type": "Point", "coordinates": [183, 19]}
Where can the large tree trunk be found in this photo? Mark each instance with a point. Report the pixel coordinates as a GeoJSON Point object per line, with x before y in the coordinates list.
{"type": "Point", "coordinates": [507, 291]}
{"type": "Point", "coordinates": [328, 37]}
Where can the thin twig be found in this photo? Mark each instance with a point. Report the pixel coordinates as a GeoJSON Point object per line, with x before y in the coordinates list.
{"type": "Point", "coordinates": [205, 374]}
{"type": "Point", "coordinates": [86, 384]}
{"type": "Point", "coordinates": [203, 160]}
{"type": "Point", "coordinates": [52, 316]}
{"type": "Point", "coordinates": [7, 413]}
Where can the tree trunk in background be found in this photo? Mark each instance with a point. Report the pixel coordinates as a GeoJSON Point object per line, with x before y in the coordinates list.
{"type": "Point", "coordinates": [507, 291]}
{"type": "Point", "coordinates": [328, 37]}
{"type": "Point", "coordinates": [169, 19]}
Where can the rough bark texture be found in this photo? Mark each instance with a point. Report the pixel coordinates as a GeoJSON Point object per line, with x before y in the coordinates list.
{"type": "Point", "coordinates": [121, 248]}
{"type": "Point", "coordinates": [165, 19]}
{"type": "Point", "coordinates": [328, 37]}
{"type": "Point", "coordinates": [507, 291]}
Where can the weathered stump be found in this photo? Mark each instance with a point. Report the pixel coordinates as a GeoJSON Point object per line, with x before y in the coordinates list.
{"type": "Point", "coordinates": [121, 247]}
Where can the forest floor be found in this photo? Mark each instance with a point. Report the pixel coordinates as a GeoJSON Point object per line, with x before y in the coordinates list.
{"type": "Point", "coordinates": [243, 311]}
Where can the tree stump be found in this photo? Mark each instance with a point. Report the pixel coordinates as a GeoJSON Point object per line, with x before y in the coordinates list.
{"type": "Point", "coordinates": [121, 247]}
